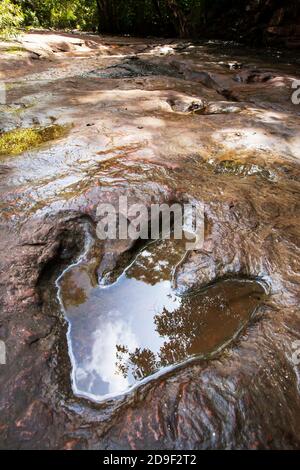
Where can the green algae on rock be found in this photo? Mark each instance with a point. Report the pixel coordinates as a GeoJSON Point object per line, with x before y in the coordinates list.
{"type": "Point", "coordinates": [15, 50]}
{"type": "Point", "coordinates": [19, 140]}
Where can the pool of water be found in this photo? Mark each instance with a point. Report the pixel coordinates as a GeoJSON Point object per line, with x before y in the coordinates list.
{"type": "Point", "coordinates": [139, 326]}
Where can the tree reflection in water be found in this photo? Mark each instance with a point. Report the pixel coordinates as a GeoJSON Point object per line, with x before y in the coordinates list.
{"type": "Point", "coordinates": [201, 324]}
{"type": "Point", "coordinates": [136, 326]}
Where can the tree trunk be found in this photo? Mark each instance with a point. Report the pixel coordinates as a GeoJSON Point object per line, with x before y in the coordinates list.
{"type": "Point", "coordinates": [179, 19]}
{"type": "Point", "coordinates": [106, 16]}
{"type": "Point", "coordinates": [156, 4]}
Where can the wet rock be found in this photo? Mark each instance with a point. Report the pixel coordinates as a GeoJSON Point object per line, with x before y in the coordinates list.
{"type": "Point", "coordinates": [254, 76]}
{"type": "Point", "coordinates": [186, 106]}
{"type": "Point", "coordinates": [235, 167]}
{"type": "Point", "coordinates": [247, 396]}
{"type": "Point", "coordinates": [4, 169]}
{"type": "Point", "coordinates": [204, 78]}
{"type": "Point", "coordinates": [232, 65]}
{"type": "Point", "coordinates": [203, 107]}
{"type": "Point", "coordinates": [132, 68]}
{"type": "Point", "coordinates": [221, 107]}
{"type": "Point", "coordinates": [274, 93]}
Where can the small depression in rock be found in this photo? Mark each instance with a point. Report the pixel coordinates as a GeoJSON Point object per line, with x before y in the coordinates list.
{"type": "Point", "coordinates": [138, 327]}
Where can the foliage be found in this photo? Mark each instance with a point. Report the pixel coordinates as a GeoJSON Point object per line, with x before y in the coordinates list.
{"type": "Point", "coordinates": [11, 18]}
{"type": "Point", "coordinates": [140, 17]}
{"type": "Point", "coordinates": [147, 17]}
{"type": "Point", "coordinates": [65, 14]}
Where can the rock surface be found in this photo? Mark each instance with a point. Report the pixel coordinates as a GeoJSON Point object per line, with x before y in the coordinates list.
{"type": "Point", "coordinates": [140, 136]}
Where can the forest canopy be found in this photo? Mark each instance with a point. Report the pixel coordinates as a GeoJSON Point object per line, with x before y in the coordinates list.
{"type": "Point", "coordinates": [184, 18]}
{"type": "Point", "coordinates": [113, 16]}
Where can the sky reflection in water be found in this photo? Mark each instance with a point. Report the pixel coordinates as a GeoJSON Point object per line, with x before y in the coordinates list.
{"type": "Point", "coordinates": [124, 332]}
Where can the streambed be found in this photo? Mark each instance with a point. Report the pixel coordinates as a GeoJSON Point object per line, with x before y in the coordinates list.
{"type": "Point", "coordinates": [211, 123]}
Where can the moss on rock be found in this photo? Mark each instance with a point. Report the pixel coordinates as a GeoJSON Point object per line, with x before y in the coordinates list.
{"type": "Point", "coordinates": [19, 140]}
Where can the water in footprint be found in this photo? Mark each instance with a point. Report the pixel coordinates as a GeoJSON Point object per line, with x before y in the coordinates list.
{"type": "Point", "coordinates": [125, 332]}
